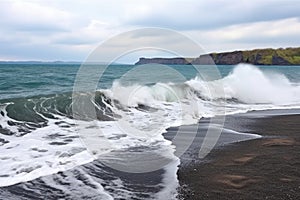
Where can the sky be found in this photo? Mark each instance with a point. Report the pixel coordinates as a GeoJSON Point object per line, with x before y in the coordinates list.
{"type": "Point", "coordinates": [68, 30]}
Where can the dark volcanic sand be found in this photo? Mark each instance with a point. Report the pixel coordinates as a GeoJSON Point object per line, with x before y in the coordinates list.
{"type": "Point", "coordinates": [265, 168]}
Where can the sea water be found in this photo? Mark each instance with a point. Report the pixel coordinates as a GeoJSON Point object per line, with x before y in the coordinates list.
{"type": "Point", "coordinates": [47, 152]}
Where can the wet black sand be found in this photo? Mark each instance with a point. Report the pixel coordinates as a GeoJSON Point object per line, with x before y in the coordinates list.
{"type": "Point", "coordinates": [264, 168]}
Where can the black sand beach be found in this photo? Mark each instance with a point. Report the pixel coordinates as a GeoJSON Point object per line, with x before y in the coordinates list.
{"type": "Point", "coordinates": [263, 168]}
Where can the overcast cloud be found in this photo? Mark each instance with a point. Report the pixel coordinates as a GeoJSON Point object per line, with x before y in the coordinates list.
{"type": "Point", "coordinates": [70, 30]}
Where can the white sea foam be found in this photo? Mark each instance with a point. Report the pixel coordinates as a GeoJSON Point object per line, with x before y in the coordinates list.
{"type": "Point", "coordinates": [250, 85]}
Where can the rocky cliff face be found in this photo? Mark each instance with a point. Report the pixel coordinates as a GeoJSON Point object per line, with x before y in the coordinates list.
{"type": "Point", "coordinates": [288, 56]}
{"type": "Point", "coordinates": [230, 58]}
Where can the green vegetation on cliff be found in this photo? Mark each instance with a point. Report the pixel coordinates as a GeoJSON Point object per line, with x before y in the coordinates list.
{"type": "Point", "coordinates": [287, 56]}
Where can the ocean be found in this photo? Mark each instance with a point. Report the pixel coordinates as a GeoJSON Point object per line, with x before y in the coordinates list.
{"type": "Point", "coordinates": [54, 146]}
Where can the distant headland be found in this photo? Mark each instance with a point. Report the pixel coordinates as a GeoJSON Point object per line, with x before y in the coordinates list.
{"type": "Point", "coordinates": [281, 56]}
{"type": "Point", "coordinates": [33, 62]}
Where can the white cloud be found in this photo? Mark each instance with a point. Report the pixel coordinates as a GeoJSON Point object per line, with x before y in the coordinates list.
{"type": "Point", "coordinates": [278, 33]}
{"type": "Point", "coordinates": [269, 29]}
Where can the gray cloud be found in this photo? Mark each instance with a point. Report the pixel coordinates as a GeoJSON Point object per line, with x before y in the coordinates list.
{"type": "Point", "coordinates": [74, 41]}
{"type": "Point", "coordinates": [198, 15]}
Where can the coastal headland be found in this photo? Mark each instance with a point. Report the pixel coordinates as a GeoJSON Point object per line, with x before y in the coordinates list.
{"type": "Point", "coordinates": [281, 56]}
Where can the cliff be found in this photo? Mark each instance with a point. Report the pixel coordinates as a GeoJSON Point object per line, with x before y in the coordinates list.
{"type": "Point", "coordinates": [288, 56]}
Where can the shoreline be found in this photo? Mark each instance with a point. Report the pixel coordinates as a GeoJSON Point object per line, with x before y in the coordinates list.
{"type": "Point", "coordinates": [262, 168]}
{"type": "Point", "coordinates": [239, 167]}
